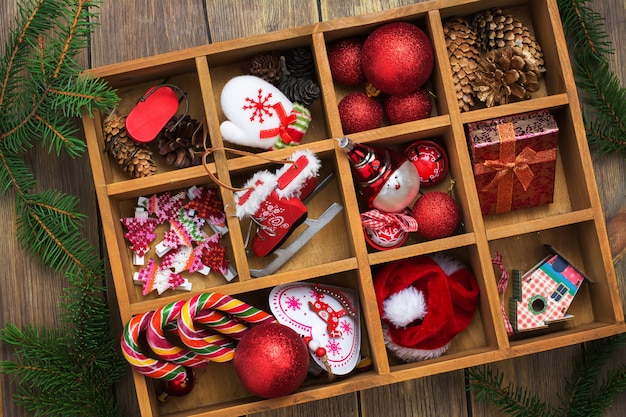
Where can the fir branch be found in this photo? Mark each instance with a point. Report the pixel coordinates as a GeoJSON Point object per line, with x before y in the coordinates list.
{"type": "Point", "coordinates": [602, 96]}
{"type": "Point", "coordinates": [489, 387]}
{"type": "Point", "coordinates": [68, 371]}
{"type": "Point", "coordinates": [585, 398]}
{"type": "Point", "coordinates": [590, 36]}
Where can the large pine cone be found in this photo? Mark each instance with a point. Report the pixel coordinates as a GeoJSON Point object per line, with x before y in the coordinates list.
{"type": "Point", "coordinates": [182, 142]}
{"type": "Point", "coordinates": [496, 29]}
{"type": "Point", "coordinates": [506, 72]}
{"type": "Point", "coordinates": [301, 90]}
{"type": "Point", "coordinates": [463, 55]}
{"type": "Point", "coordinates": [266, 66]}
{"type": "Point", "coordinates": [135, 159]}
{"type": "Point", "coordinates": [300, 63]}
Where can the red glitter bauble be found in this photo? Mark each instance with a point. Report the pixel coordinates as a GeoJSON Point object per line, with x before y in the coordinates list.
{"type": "Point", "coordinates": [402, 108]}
{"type": "Point", "coordinates": [271, 360]}
{"type": "Point", "coordinates": [344, 58]}
{"type": "Point", "coordinates": [359, 112]}
{"type": "Point", "coordinates": [180, 388]}
{"type": "Point", "coordinates": [437, 215]}
{"type": "Point", "coordinates": [397, 58]}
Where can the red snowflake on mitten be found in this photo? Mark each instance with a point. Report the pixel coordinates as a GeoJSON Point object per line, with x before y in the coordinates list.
{"type": "Point", "coordinates": [259, 105]}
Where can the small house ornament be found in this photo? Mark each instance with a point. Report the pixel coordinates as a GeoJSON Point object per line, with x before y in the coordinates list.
{"type": "Point", "coordinates": [544, 294]}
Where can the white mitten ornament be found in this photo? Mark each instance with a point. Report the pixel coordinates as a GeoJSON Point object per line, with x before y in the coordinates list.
{"type": "Point", "coordinates": [260, 115]}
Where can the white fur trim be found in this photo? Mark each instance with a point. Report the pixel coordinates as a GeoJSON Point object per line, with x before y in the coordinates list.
{"type": "Point", "coordinates": [411, 354]}
{"type": "Point", "coordinates": [294, 188]}
{"type": "Point", "coordinates": [251, 203]}
{"type": "Point", "coordinates": [404, 307]}
{"type": "Point", "coordinates": [448, 264]}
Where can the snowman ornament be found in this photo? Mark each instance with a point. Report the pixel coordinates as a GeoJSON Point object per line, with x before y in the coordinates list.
{"type": "Point", "coordinates": [389, 182]}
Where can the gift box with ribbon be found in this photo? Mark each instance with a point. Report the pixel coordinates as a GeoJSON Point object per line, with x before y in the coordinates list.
{"type": "Point", "coordinates": [514, 161]}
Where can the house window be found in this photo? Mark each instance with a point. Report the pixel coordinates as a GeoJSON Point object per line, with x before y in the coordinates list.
{"type": "Point", "coordinates": [559, 293]}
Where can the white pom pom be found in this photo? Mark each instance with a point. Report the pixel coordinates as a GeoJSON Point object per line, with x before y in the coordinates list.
{"type": "Point", "coordinates": [404, 307]}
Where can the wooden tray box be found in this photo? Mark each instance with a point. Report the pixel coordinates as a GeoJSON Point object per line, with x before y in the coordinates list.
{"type": "Point", "coordinates": [338, 255]}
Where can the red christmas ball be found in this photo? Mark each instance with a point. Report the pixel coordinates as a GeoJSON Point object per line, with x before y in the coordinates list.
{"type": "Point", "coordinates": [344, 58]}
{"type": "Point", "coordinates": [397, 58]}
{"type": "Point", "coordinates": [179, 388]}
{"type": "Point", "coordinates": [402, 108]}
{"type": "Point", "coordinates": [359, 112]}
{"type": "Point", "coordinates": [437, 215]}
{"type": "Point", "coordinates": [430, 160]}
{"type": "Point", "coordinates": [271, 360]}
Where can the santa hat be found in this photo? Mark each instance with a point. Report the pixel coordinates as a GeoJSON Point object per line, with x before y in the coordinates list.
{"type": "Point", "coordinates": [424, 303]}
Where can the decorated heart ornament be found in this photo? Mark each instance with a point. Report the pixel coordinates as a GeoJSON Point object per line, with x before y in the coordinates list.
{"type": "Point", "coordinates": [327, 314]}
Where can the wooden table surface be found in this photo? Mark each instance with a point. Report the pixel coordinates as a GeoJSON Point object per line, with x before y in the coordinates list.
{"type": "Point", "coordinates": [131, 29]}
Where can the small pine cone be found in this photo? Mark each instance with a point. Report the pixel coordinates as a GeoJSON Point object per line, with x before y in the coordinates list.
{"type": "Point", "coordinates": [266, 66]}
{"type": "Point", "coordinates": [496, 29]}
{"type": "Point", "coordinates": [503, 73]}
{"type": "Point", "coordinates": [302, 90]}
{"type": "Point", "coordinates": [463, 55]}
{"type": "Point", "coordinates": [299, 62]}
{"type": "Point", "coordinates": [181, 142]}
{"type": "Point", "coordinates": [135, 159]}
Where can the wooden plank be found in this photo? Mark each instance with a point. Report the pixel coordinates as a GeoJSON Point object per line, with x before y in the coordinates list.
{"type": "Point", "coordinates": [239, 18]}
{"type": "Point", "coordinates": [440, 395]}
{"type": "Point", "coordinates": [136, 29]}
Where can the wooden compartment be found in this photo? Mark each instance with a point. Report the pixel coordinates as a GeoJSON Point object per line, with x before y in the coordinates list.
{"type": "Point", "coordinates": [339, 255]}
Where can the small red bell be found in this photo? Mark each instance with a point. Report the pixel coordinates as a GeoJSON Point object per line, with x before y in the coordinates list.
{"type": "Point", "coordinates": [430, 160]}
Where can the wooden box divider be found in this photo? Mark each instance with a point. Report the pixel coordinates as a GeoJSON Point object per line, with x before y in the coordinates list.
{"type": "Point", "coordinates": [574, 223]}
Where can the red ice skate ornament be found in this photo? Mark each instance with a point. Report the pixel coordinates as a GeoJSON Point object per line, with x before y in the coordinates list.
{"type": "Point", "coordinates": [274, 202]}
{"type": "Point", "coordinates": [388, 180]}
{"type": "Point", "coordinates": [259, 115]}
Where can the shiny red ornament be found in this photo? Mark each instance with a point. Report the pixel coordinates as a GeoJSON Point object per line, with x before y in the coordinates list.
{"type": "Point", "coordinates": [359, 112]}
{"type": "Point", "coordinates": [387, 237]}
{"type": "Point", "coordinates": [430, 160]}
{"type": "Point", "coordinates": [397, 58]}
{"type": "Point", "coordinates": [388, 181]}
{"type": "Point", "coordinates": [344, 59]}
{"type": "Point", "coordinates": [403, 108]}
{"type": "Point", "coordinates": [437, 215]}
{"type": "Point", "coordinates": [271, 360]}
{"type": "Point", "coordinates": [178, 388]}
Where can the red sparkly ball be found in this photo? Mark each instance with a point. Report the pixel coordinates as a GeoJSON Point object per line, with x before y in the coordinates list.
{"type": "Point", "coordinates": [397, 58]}
{"type": "Point", "coordinates": [402, 108]}
{"type": "Point", "coordinates": [344, 58]}
{"type": "Point", "coordinates": [180, 388]}
{"type": "Point", "coordinates": [359, 112]}
{"type": "Point", "coordinates": [271, 360]}
{"type": "Point", "coordinates": [437, 215]}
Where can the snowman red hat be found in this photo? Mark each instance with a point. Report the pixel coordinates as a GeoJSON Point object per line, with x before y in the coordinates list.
{"type": "Point", "coordinates": [424, 302]}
